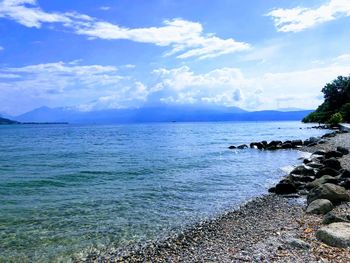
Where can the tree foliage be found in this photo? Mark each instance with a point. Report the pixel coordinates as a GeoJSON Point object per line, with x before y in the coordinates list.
{"type": "Point", "coordinates": [336, 100]}
{"type": "Point", "coordinates": [336, 118]}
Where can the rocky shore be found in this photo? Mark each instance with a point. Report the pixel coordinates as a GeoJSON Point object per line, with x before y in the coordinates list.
{"type": "Point", "coordinates": [305, 219]}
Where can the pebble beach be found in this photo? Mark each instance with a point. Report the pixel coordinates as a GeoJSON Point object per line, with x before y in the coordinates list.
{"type": "Point", "coordinates": [270, 228]}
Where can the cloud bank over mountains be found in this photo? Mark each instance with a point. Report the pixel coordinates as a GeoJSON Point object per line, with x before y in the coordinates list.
{"type": "Point", "coordinates": [274, 68]}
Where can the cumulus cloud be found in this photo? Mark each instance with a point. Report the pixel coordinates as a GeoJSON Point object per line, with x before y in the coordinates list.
{"type": "Point", "coordinates": [181, 85]}
{"type": "Point", "coordinates": [184, 38]}
{"type": "Point", "coordinates": [230, 87]}
{"type": "Point", "coordinates": [64, 84]}
{"type": "Point", "coordinates": [300, 18]}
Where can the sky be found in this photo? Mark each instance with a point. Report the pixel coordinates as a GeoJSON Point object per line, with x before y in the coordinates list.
{"type": "Point", "coordinates": [93, 55]}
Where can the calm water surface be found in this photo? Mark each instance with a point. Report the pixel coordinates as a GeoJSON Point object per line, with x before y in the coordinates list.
{"type": "Point", "coordinates": [66, 188]}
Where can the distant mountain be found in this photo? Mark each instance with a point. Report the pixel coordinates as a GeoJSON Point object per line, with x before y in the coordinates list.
{"type": "Point", "coordinates": [164, 113]}
{"type": "Point", "coordinates": [290, 109]}
{"type": "Point", "coordinates": [7, 121]}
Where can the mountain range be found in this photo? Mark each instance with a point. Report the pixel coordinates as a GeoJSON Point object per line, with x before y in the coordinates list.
{"type": "Point", "coordinates": [163, 113]}
{"type": "Point", "coordinates": [7, 121]}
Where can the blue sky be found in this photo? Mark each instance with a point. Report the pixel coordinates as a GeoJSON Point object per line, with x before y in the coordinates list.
{"type": "Point", "coordinates": [93, 55]}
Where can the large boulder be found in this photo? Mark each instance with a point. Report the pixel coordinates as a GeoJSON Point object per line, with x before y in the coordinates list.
{"type": "Point", "coordinates": [335, 234]}
{"type": "Point", "coordinates": [258, 145]}
{"type": "Point", "coordinates": [285, 187]}
{"type": "Point", "coordinates": [311, 141]}
{"type": "Point", "coordinates": [319, 152]}
{"type": "Point", "coordinates": [301, 178]}
{"type": "Point", "coordinates": [320, 207]}
{"type": "Point", "coordinates": [332, 163]}
{"type": "Point", "coordinates": [334, 154]}
{"type": "Point", "coordinates": [274, 143]}
{"type": "Point", "coordinates": [303, 170]}
{"type": "Point", "coordinates": [334, 193]}
{"type": "Point", "coordinates": [326, 171]}
{"type": "Point", "coordinates": [343, 150]}
{"type": "Point", "coordinates": [323, 180]}
{"type": "Point", "coordinates": [345, 173]}
{"type": "Point", "coordinates": [243, 146]}
{"type": "Point", "coordinates": [287, 146]}
{"type": "Point", "coordinates": [345, 184]}
{"type": "Point", "coordinates": [296, 143]}
{"type": "Point", "coordinates": [315, 165]}
{"type": "Point", "coordinates": [330, 218]}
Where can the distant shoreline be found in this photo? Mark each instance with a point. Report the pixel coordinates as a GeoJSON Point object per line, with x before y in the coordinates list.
{"type": "Point", "coordinates": [34, 123]}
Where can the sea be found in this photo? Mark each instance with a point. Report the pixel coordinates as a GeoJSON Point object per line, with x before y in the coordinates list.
{"type": "Point", "coordinates": [68, 189]}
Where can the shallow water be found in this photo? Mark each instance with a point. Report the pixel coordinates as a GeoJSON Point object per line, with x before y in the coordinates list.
{"type": "Point", "coordinates": [65, 188]}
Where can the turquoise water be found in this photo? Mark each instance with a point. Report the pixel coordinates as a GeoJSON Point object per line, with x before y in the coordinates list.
{"type": "Point", "coordinates": [64, 189]}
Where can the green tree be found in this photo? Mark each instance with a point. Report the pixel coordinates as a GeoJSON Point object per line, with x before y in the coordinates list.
{"type": "Point", "coordinates": [335, 119]}
{"type": "Point", "coordinates": [336, 99]}
{"type": "Point", "coordinates": [345, 111]}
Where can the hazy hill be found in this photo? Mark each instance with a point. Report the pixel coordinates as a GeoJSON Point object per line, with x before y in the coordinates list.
{"type": "Point", "coordinates": [157, 114]}
{"type": "Point", "coordinates": [7, 121]}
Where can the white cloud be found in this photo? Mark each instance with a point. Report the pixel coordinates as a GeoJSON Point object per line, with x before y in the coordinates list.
{"type": "Point", "coordinates": [183, 86]}
{"type": "Point", "coordinates": [1, 48]}
{"type": "Point", "coordinates": [344, 58]}
{"type": "Point", "coordinates": [126, 97]}
{"type": "Point", "coordinates": [65, 84]}
{"type": "Point", "coordinates": [185, 38]}
{"type": "Point", "coordinates": [299, 18]}
{"type": "Point", "coordinates": [129, 66]}
{"type": "Point", "coordinates": [105, 8]}
{"type": "Point", "coordinates": [230, 87]}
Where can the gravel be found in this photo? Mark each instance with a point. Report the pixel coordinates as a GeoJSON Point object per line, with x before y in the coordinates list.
{"type": "Point", "coordinates": [267, 229]}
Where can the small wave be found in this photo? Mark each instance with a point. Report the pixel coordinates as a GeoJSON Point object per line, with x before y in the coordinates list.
{"type": "Point", "coordinates": [97, 172]}
{"type": "Point", "coordinates": [36, 183]}
{"type": "Point", "coordinates": [287, 169]}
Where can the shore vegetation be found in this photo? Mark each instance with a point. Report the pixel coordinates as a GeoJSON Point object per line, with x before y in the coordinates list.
{"type": "Point", "coordinates": [336, 105]}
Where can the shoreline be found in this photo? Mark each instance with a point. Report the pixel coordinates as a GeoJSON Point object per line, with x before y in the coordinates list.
{"type": "Point", "coordinates": [264, 229]}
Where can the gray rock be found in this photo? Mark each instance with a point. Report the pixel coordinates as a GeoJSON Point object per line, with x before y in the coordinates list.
{"type": "Point", "coordinates": [345, 173]}
{"type": "Point", "coordinates": [320, 207]}
{"type": "Point", "coordinates": [297, 243]}
{"type": "Point", "coordinates": [232, 147]}
{"type": "Point", "coordinates": [285, 187]}
{"type": "Point", "coordinates": [343, 150]}
{"type": "Point", "coordinates": [326, 171]}
{"type": "Point", "coordinates": [297, 143]}
{"type": "Point", "coordinates": [334, 193]}
{"type": "Point", "coordinates": [287, 146]}
{"type": "Point", "coordinates": [331, 154]}
{"type": "Point", "coordinates": [330, 218]}
{"type": "Point", "coordinates": [303, 170]}
{"type": "Point", "coordinates": [301, 178]}
{"type": "Point", "coordinates": [319, 152]}
{"type": "Point", "coordinates": [335, 234]}
{"type": "Point", "coordinates": [345, 184]}
{"type": "Point", "coordinates": [315, 165]}
{"type": "Point", "coordinates": [332, 163]}
{"type": "Point", "coordinates": [323, 180]}
{"type": "Point", "coordinates": [306, 161]}
{"type": "Point", "coordinates": [243, 146]}
{"type": "Point", "coordinates": [303, 192]}
{"type": "Point", "coordinates": [274, 143]}
{"type": "Point", "coordinates": [257, 145]}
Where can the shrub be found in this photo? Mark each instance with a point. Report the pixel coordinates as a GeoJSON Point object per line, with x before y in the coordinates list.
{"type": "Point", "coordinates": [345, 111]}
{"type": "Point", "coordinates": [335, 119]}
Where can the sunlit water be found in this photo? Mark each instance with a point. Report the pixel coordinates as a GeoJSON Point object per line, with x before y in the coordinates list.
{"type": "Point", "coordinates": [66, 188]}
